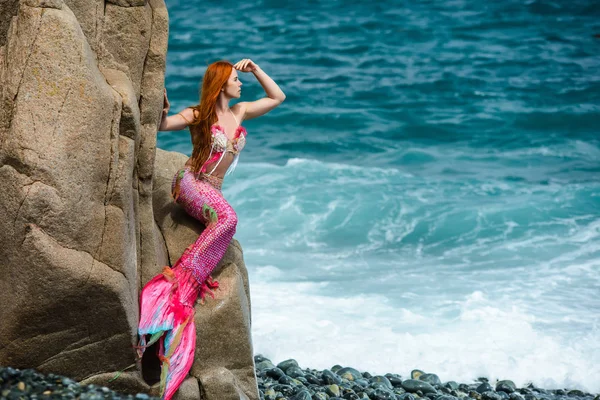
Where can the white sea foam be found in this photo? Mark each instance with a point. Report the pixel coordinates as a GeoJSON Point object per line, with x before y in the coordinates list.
{"type": "Point", "coordinates": [464, 279]}
{"type": "Point", "coordinates": [499, 341]}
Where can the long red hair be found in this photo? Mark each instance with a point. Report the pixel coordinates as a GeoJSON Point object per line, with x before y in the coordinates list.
{"type": "Point", "coordinates": [205, 114]}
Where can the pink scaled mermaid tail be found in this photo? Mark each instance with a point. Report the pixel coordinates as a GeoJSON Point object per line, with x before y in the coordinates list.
{"type": "Point", "coordinates": [167, 301]}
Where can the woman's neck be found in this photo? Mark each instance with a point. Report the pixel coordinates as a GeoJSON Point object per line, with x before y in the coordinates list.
{"type": "Point", "coordinates": [222, 105]}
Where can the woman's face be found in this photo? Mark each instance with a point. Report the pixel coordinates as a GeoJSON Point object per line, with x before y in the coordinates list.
{"type": "Point", "coordinates": [232, 88]}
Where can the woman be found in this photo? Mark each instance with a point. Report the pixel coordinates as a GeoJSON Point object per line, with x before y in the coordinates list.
{"type": "Point", "coordinates": [167, 301]}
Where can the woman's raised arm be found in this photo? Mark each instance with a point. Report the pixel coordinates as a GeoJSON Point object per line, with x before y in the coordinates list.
{"type": "Point", "coordinates": [275, 95]}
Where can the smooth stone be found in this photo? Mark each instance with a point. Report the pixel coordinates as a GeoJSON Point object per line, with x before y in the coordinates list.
{"type": "Point", "coordinates": [395, 380]}
{"type": "Point", "coordinates": [445, 397]}
{"type": "Point", "coordinates": [296, 382]}
{"type": "Point", "coordinates": [264, 365]}
{"type": "Point", "coordinates": [432, 379]}
{"type": "Point", "coordinates": [336, 368]}
{"type": "Point", "coordinates": [474, 395]}
{"type": "Point", "coordinates": [285, 380]}
{"type": "Point", "coordinates": [349, 373]}
{"type": "Point", "coordinates": [345, 390]}
{"type": "Point", "coordinates": [451, 385]}
{"type": "Point", "coordinates": [351, 396]}
{"type": "Point", "coordinates": [366, 375]}
{"type": "Point", "coordinates": [503, 395]}
{"type": "Point", "coordinates": [382, 394]}
{"type": "Point", "coordinates": [286, 390]}
{"type": "Point", "coordinates": [530, 397]}
{"type": "Point", "coordinates": [259, 358]}
{"type": "Point", "coordinates": [490, 395]}
{"type": "Point", "coordinates": [484, 387]}
{"type": "Point", "coordinates": [67, 381]}
{"type": "Point", "coordinates": [414, 385]}
{"type": "Point", "coordinates": [270, 393]}
{"type": "Point", "coordinates": [294, 371]}
{"type": "Point", "coordinates": [357, 388]}
{"type": "Point", "coordinates": [346, 384]}
{"type": "Point", "coordinates": [369, 392]}
{"type": "Point", "coordinates": [320, 396]}
{"type": "Point", "coordinates": [506, 386]}
{"type": "Point", "coordinates": [333, 390]}
{"type": "Point", "coordinates": [312, 379]}
{"type": "Point", "coordinates": [515, 396]}
{"type": "Point", "coordinates": [382, 380]}
{"type": "Point", "coordinates": [303, 394]}
{"type": "Point", "coordinates": [575, 392]}
{"type": "Point", "coordinates": [275, 373]}
{"type": "Point", "coordinates": [330, 378]}
{"type": "Point", "coordinates": [302, 380]}
{"type": "Point", "coordinates": [406, 396]}
{"type": "Point", "coordinates": [284, 365]}
{"type": "Point", "coordinates": [378, 385]}
{"type": "Point", "coordinates": [416, 373]}
{"type": "Point", "coordinates": [362, 382]}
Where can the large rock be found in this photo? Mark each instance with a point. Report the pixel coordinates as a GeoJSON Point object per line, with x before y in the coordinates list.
{"type": "Point", "coordinates": [57, 160]}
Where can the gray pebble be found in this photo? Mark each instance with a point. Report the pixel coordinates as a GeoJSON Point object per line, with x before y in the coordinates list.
{"type": "Point", "coordinates": [382, 381]}
{"type": "Point", "coordinates": [432, 379]}
{"type": "Point", "coordinates": [506, 386]}
{"type": "Point", "coordinates": [294, 371]}
{"type": "Point", "coordinates": [349, 373]}
{"type": "Point", "coordinates": [484, 387]}
{"type": "Point", "coordinates": [414, 385]}
{"type": "Point", "coordinates": [284, 365]}
{"type": "Point", "coordinates": [330, 378]}
{"type": "Point", "coordinates": [490, 395]}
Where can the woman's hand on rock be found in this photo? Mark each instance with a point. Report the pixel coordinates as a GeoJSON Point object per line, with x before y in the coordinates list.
{"type": "Point", "coordinates": [166, 105]}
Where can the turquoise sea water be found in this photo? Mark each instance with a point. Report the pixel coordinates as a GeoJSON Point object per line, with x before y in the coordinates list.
{"type": "Point", "coordinates": [428, 195]}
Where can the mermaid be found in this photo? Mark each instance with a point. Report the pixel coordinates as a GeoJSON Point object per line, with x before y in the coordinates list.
{"type": "Point", "coordinates": [167, 300]}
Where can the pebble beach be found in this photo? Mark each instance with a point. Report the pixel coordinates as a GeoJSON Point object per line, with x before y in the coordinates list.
{"type": "Point", "coordinates": [288, 381]}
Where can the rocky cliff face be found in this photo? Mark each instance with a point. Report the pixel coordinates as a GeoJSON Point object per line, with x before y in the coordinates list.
{"type": "Point", "coordinates": [81, 86]}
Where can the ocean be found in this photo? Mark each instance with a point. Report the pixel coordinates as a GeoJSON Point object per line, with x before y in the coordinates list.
{"type": "Point", "coordinates": [428, 195]}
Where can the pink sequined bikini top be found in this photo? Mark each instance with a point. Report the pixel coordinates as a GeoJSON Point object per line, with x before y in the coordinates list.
{"type": "Point", "coordinates": [221, 144]}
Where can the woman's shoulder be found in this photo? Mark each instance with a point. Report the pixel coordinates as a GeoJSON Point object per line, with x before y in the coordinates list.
{"type": "Point", "coordinates": [239, 110]}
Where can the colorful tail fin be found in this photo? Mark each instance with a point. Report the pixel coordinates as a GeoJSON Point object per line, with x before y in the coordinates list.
{"type": "Point", "coordinates": [167, 313]}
